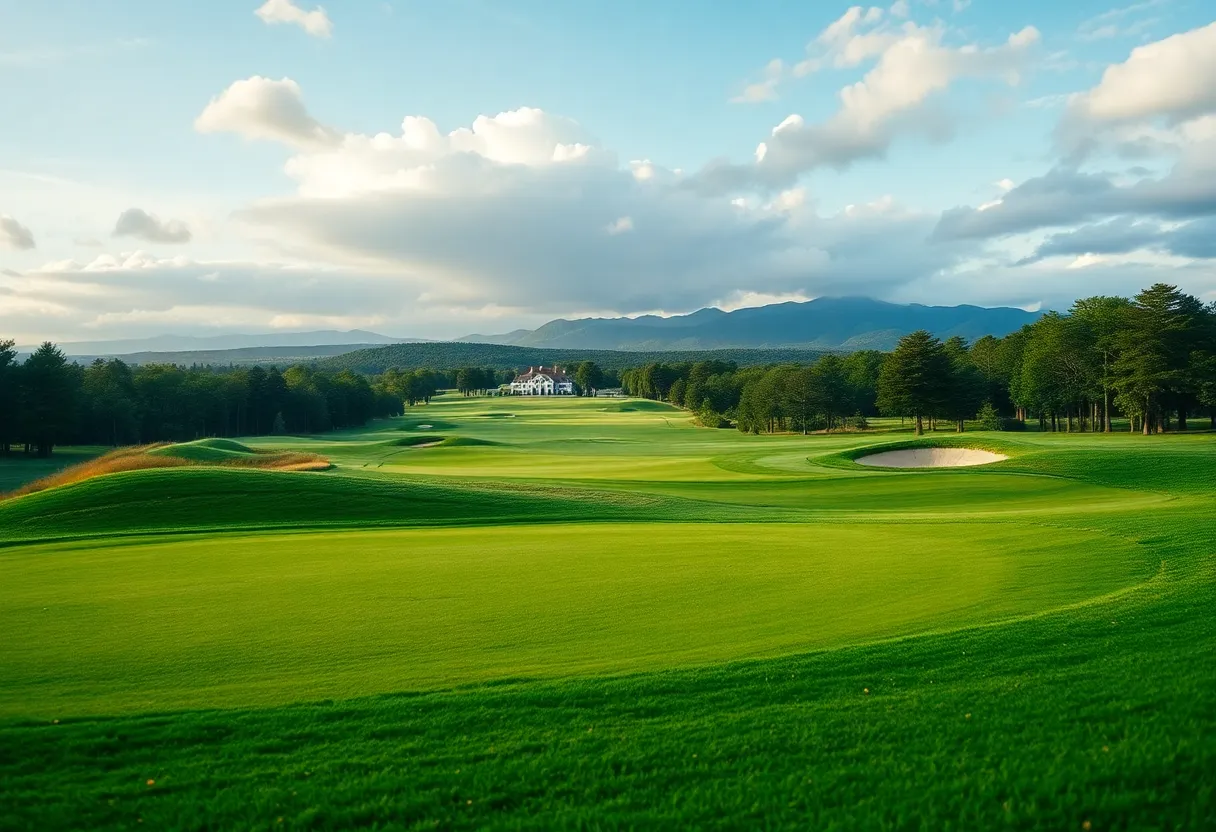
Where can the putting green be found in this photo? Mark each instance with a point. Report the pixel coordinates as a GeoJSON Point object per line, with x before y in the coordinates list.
{"type": "Point", "coordinates": [267, 619]}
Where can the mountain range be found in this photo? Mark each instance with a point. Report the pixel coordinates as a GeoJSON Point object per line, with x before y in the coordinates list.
{"type": "Point", "coordinates": [823, 324]}
{"type": "Point", "coordinates": [354, 339]}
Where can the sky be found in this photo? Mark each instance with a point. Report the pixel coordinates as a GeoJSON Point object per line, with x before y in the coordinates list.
{"type": "Point", "coordinates": [437, 169]}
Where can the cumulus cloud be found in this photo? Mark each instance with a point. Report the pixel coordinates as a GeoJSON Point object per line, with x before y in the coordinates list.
{"type": "Point", "coordinates": [1174, 78]}
{"type": "Point", "coordinates": [262, 108]}
{"type": "Point", "coordinates": [315, 22]}
{"type": "Point", "coordinates": [1064, 197]}
{"type": "Point", "coordinates": [14, 235]}
{"type": "Point", "coordinates": [134, 292]}
{"type": "Point", "coordinates": [1124, 235]}
{"type": "Point", "coordinates": [1171, 82]}
{"type": "Point", "coordinates": [912, 64]}
{"type": "Point", "coordinates": [1055, 284]}
{"type": "Point", "coordinates": [526, 204]}
{"type": "Point", "coordinates": [135, 222]}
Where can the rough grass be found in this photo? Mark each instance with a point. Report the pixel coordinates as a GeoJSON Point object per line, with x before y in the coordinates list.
{"type": "Point", "coordinates": [163, 455]}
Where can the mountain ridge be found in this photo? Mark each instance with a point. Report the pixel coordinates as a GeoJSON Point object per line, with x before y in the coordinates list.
{"type": "Point", "coordinates": [190, 343]}
{"type": "Point", "coordinates": [848, 323]}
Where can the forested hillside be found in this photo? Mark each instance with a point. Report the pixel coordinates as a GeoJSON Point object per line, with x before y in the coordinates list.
{"type": "Point", "coordinates": [821, 324]}
{"type": "Point", "coordinates": [446, 356]}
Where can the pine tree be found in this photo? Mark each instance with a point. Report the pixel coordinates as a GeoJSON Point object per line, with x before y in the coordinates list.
{"type": "Point", "coordinates": [915, 379]}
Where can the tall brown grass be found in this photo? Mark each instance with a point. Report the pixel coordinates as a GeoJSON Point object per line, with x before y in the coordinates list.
{"type": "Point", "coordinates": [138, 457]}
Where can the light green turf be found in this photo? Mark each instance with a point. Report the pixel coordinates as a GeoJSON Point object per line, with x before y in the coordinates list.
{"type": "Point", "coordinates": [661, 627]}
{"type": "Point", "coordinates": [608, 537]}
{"type": "Point", "coordinates": [258, 620]}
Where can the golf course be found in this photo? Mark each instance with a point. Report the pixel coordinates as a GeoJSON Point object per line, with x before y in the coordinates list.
{"type": "Point", "coordinates": [534, 612]}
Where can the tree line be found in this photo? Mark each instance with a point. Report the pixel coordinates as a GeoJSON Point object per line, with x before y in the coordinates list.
{"type": "Point", "coordinates": [797, 397]}
{"type": "Point", "coordinates": [47, 401]}
{"type": "Point", "coordinates": [1150, 360]}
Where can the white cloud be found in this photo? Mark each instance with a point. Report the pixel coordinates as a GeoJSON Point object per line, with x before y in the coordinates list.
{"type": "Point", "coordinates": [911, 65]}
{"type": "Point", "coordinates": [14, 235]}
{"type": "Point", "coordinates": [315, 22]}
{"type": "Point", "coordinates": [262, 108]}
{"type": "Point", "coordinates": [135, 222]}
{"type": "Point", "coordinates": [900, 8]}
{"type": "Point", "coordinates": [526, 205]}
{"type": "Point", "coordinates": [620, 225]}
{"type": "Point", "coordinates": [1173, 79]}
{"type": "Point", "coordinates": [1113, 24]}
{"type": "Point", "coordinates": [765, 89]}
{"type": "Point", "coordinates": [1064, 197]}
{"type": "Point", "coordinates": [132, 292]}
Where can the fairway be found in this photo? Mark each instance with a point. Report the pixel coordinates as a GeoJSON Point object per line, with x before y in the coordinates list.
{"type": "Point", "coordinates": [487, 574]}
{"type": "Point", "coordinates": [259, 620]}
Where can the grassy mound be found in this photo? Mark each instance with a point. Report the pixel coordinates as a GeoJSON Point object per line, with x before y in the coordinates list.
{"type": "Point", "coordinates": [415, 441]}
{"type": "Point", "coordinates": [229, 498]}
{"type": "Point", "coordinates": [433, 441]}
{"type": "Point", "coordinates": [422, 423]}
{"type": "Point", "coordinates": [205, 452]}
{"type": "Point", "coordinates": [466, 442]}
{"type": "Point", "coordinates": [640, 406]}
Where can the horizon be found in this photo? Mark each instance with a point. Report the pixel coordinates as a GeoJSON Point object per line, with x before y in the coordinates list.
{"type": "Point", "coordinates": [397, 339]}
{"type": "Point", "coordinates": [938, 152]}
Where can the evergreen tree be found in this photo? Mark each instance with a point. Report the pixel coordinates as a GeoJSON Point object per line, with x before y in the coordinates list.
{"type": "Point", "coordinates": [49, 399]}
{"type": "Point", "coordinates": [10, 396]}
{"type": "Point", "coordinates": [1155, 347]}
{"type": "Point", "coordinates": [915, 379]}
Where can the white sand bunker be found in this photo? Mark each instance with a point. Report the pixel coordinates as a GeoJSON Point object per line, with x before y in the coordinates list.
{"type": "Point", "coordinates": [931, 458]}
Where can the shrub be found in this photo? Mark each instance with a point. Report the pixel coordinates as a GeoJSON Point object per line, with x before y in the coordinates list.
{"type": "Point", "coordinates": [988, 418]}
{"type": "Point", "coordinates": [710, 418]}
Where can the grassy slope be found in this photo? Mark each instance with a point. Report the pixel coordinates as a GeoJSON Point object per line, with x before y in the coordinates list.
{"type": "Point", "coordinates": [1102, 713]}
{"type": "Point", "coordinates": [282, 618]}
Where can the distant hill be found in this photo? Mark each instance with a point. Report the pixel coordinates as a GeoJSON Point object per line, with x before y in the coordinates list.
{"type": "Point", "coordinates": [451, 355]}
{"type": "Point", "coordinates": [823, 324]}
{"type": "Point", "coordinates": [180, 343]}
{"type": "Point", "coordinates": [282, 356]}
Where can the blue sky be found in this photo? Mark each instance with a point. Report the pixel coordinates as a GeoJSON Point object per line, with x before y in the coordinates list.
{"type": "Point", "coordinates": [943, 152]}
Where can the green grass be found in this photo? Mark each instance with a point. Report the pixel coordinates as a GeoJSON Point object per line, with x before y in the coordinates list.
{"type": "Point", "coordinates": [18, 469]}
{"type": "Point", "coordinates": [275, 619]}
{"type": "Point", "coordinates": [206, 450]}
{"type": "Point", "coordinates": [590, 618]}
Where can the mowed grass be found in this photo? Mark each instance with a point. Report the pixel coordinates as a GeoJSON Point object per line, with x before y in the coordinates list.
{"type": "Point", "coordinates": [610, 618]}
{"type": "Point", "coordinates": [273, 619]}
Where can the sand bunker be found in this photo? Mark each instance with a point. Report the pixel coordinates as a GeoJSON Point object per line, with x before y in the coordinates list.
{"type": "Point", "coordinates": [931, 458]}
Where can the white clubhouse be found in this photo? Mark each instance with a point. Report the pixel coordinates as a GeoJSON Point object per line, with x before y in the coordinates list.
{"type": "Point", "coordinates": [543, 381]}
